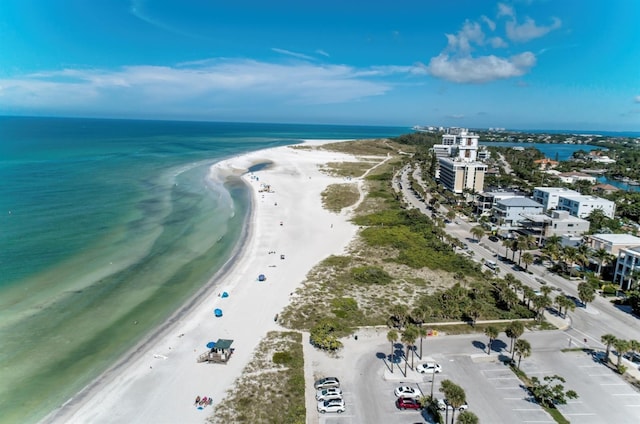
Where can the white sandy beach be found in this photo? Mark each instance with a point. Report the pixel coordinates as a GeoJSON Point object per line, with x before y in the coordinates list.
{"type": "Point", "coordinates": [160, 380]}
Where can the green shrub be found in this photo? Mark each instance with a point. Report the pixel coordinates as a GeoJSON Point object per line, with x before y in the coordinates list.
{"type": "Point", "coordinates": [371, 275]}
{"type": "Point", "coordinates": [282, 358]}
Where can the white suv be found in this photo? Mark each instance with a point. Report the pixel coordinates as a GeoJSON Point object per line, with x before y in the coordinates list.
{"type": "Point", "coordinates": [332, 405]}
{"type": "Point", "coordinates": [444, 404]}
{"type": "Point", "coordinates": [429, 368]}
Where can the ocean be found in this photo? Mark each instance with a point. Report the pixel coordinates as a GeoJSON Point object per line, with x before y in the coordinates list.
{"type": "Point", "coordinates": [106, 228]}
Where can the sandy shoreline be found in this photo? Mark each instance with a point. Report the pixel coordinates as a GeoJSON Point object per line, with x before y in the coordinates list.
{"type": "Point", "coordinates": [159, 380]}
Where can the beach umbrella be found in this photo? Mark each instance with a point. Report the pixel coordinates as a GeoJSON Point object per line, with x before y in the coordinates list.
{"type": "Point", "coordinates": [261, 277]}
{"type": "Point", "coordinates": [218, 312]}
{"type": "Point", "coordinates": [225, 294]}
{"type": "Point", "coordinates": [211, 345]}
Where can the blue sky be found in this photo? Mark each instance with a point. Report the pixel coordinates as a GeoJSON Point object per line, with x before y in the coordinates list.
{"type": "Point", "coordinates": [525, 64]}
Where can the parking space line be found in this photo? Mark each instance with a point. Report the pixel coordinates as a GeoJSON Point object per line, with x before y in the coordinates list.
{"type": "Point", "coordinates": [538, 421]}
{"type": "Point", "coordinates": [538, 372]}
{"type": "Point", "coordinates": [599, 375]}
{"type": "Point", "coordinates": [515, 398]}
{"type": "Point", "coordinates": [613, 384]}
{"type": "Point", "coordinates": [625, 394]}
{"type": "Point", "coordinates": [527, 409]}
{"type": "Point", "coordinates": [579, 414]}
{"type": "Point", "coordinates": [502, 378]}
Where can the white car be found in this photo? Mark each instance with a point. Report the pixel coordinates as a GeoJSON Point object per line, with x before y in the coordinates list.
{"type": "Point", "coordinates": [325, 383]}
{"type": "Point", "coordinates": [332, 405]}
{"type": "Point", "coordinates": [429, 368]}
{"type": "Point", "coordinates": [407, 392]}
{"type": "Point", "coordinates": [330, 393]}
{"type": "Point", "coordinates": [443, 404]}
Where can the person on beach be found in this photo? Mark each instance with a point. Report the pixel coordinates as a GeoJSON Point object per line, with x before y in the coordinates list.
{"type": "Point", "coordinates": [197, 400]}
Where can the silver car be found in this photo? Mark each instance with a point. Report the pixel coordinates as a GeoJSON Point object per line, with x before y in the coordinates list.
{"type": "Point", "coordinates": [333, 405]}
{"type": "Point", "coordinates": [330, 393]}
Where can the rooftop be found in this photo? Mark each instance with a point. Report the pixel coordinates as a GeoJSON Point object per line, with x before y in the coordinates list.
{"type": "Point", "coordinates": [519, 201]}
{"type": "Point", "coordinates": [627, 239]}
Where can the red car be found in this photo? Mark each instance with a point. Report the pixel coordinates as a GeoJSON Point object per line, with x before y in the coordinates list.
{"type": "Point", "coordinates": [408, 403]}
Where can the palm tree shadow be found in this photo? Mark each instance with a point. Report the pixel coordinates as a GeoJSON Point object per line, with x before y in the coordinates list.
{"type": "Point", "coordinates": [479, 345]}
{"type": "Point", "coordinates": [498, 346]}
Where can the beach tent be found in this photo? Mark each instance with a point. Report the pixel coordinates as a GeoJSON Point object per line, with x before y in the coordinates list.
{"type": "Point", "coordinates": [211, 345]}
{"type": "Point", "coordinates": [225, 294]}
{"type": "Point", "coordinates": [261, 277]}
{"type": "Point", "coordinates": [218, 312]}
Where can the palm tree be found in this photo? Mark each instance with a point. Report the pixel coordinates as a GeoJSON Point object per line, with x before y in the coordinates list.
{"type": "Point", "coordinates": [408, 337]}
{"type": "Point", "coordinates": [561, 301]}
{"type": "Point", "coordinates": [621, 346]}
{"type": "Point", "coordinates": [477, 232]}
{"type": "Point", "coordinates": [507, 245]}
{"type": "Point", "coordinates": [492, 333]}
{"type": "Point", "coordinates": [586, 293]}
{"type": "Point", "coordinates": [601, 255]}
{"type": "Point", "coordinates": [528, 294]}
{"type": "Point", "coordinates": [546, 290]}
{"type": "Point", "coordinates": [523, 349]}
{"type": "Point", "coordinates": [527, 258]}
{"type": "Point", "coordinates": [398, 316]}
{"type": "Point", "coordinates": [514, 330]}
{"type": "Point", "coordinates": [392, 336]}
{"type": "Point", "coordinates": [608, 339]}
{"type": "Point", "coordinates": [467, 417]}
{"type": "Point", "coordinates": [455, 396]}
{"type": "Point", "coordinates": [420, 315]}
{"type": "Point", "coordinates": [540, 303]}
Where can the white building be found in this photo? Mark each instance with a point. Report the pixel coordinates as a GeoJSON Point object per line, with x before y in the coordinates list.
{"type": "Point", "coordinates": [612, 243]}
{"type": "Point", "coordinates": [574, 177]}
{"type": "Point", "coordinates": [549, 196]}
{"type": "Point", "coordinates": [628, 262]}
{"type": "Point", "coordinates": [558, 223]}
{"type": "Point", "coordinates": [458, 165]}
{"type": "Point", "coordinates": [582, 206]}
{"type": "Point", "coordinates": [486, 200]}
{"type": "Point", "coordinates": [509, 212]}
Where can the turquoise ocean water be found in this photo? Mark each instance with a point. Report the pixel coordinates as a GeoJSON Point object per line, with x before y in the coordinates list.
{"type": "Point", "coordinates": [107, 223]}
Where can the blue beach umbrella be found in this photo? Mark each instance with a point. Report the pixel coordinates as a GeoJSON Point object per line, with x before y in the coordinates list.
{"type": "Point", "coordinates": [225, 294]}
{"type": "Point", "coordinates": [261, 277]}
{"type": "Point", "coordinates": [211, 345]}
{"type": "Point", "coordinates": [218, 312]}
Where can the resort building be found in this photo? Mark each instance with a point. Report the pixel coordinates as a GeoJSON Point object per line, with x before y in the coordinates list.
{"type": "Point", "coordinates": [605, 188]}
{"type": "Point", "coordinates": [574, 177]}
{"type": "Point", "coordinates": [458, 165]}
{"type": "Point", "coordinates": [627, 267]}
{"type": "Point", "coordinates": [612, 243]}
{"type": "Point", "coordinates": [558, 223]}
{"type": "Point", "coordinates": [546, 163]}
{"type": "Point", "coordinates": [582, 206]}
{"type": "Point", "coordinates": [549, 196]}
{"type": "Point", "coordinates": [509, 212]}
{"type": "Point", "coordinates": [486, 200]}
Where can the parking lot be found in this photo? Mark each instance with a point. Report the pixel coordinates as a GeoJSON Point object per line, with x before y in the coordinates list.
{"type": "Point", "coordinates": [493, 391]}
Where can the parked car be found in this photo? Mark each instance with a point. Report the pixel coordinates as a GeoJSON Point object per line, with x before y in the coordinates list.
{"type": "Point", "coordinates": [332, 405]}
{"type": "Point", "coordinates": [599, 356]}
{"type": "Point", "coordinates": [429, 368]}
{"type": "Point", "coordinates": [444, 404]}
{"type": "Point", "coordinates": [407, 392]}
{"type": "Point", "coordinates": [408, 403]}
{"type": "Point", "coordinates": [330, 393]}
{"type": "Point", "coordinates": [325, 383]}
{"type": "Point", "coordinates": [494, 238]}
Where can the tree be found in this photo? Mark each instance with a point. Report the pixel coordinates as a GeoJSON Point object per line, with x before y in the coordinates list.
{"type": "Point", "coordinates": [540, 303]}
{"type": "Point", "coordinates": [523, 349]}
{"type": "Point", "coordinates": [477, 232]}
{"type": "Point", "coordinates": [549, 394]}
{"type": "Point", "coordinates": [398, 316]}
{"type": "Point", "coordinates": [546, 290]}
{"type": "Point", "coordinates": [392, 336]}
{"type": "Point", "coordinates": [621, 346]}
{"type": "Point", "coordinates": [602, 256]}
{"type": "Point", "coordinates": [408, 337]}
{"type": "Point", "coordinates": [492, 333]}
{"type": "Point", "coordinates": [586, 293]}
{"type": "Point", "coordinates": [454, 395]}
{"type": "Point", "coordinates": [608, 340]}
{"type": "Point", "coordinates": [527, 259]}
{"type": "Point", "coordinates": [467, 417]}
{"type": "Point", "coordinates": [514, 330]}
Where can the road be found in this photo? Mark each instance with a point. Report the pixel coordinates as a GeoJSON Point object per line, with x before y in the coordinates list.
{"type": "Point", "coordinates": [598, 318]}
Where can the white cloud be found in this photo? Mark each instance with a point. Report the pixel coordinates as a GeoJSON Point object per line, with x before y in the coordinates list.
{"type": "Point", "coordinates": [489, 22]}
{"type": "Point", "coordinates": [497, 42]}
{"type": "Point", "coordinates": [529, 29]}
{"type": "Point", "coordinates": [322, 53]}
{"type": "Point", "coordinates": [637, 99]}
{"type": "Point", "coordinates": [480, 69]}
{"type": "Point", "coordinates": [471, 33]}
{"type": "Point", "coordinates": [293, 54]}
{"type": "Point", "coordinates": [196, 87]}
{"type": "Point", "coordinates": [505, 10]}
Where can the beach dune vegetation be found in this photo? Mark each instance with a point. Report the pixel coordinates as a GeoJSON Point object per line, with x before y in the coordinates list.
{"type": "Point", "coordinates": [371, 275]}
